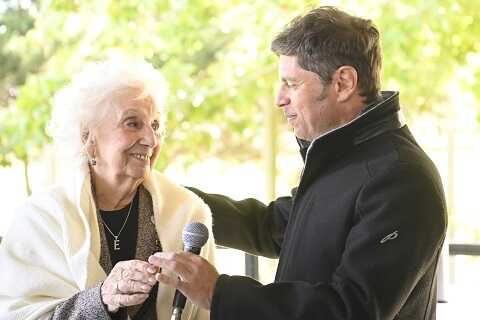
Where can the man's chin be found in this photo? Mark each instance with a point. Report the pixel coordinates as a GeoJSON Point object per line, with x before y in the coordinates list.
{"type": "Point", "coordinates": [300, 135]}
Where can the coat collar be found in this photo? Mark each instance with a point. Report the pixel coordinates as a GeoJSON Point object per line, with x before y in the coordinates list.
{"type": "Point", "coordinates": [318, 155]}
{"type": "Point", "coordinates": [383, 116]}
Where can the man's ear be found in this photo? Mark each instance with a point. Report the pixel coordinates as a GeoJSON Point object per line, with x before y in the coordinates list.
{"type": "Point", "coordinates": [345, 80]}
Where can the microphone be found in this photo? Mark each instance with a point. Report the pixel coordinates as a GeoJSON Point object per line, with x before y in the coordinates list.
{"type": "Point", "coordinates": [194, 236]}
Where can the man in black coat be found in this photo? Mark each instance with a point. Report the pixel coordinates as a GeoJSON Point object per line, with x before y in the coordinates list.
{"type": "Point", "coordinates": [360, 236]}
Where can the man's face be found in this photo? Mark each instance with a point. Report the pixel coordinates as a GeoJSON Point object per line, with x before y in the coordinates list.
{"type": "Point", "coordinates": [308, 105]}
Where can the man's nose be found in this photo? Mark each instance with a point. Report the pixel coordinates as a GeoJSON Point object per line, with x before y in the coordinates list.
{"type": "Point", "coordinates": [282, 99]}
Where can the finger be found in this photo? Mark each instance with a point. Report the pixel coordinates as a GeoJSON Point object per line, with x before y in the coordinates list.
{"type": "Point", "coordinates": [139, 276]}
{"type": "Point", "coordinates": [178, 256]}
{"type": "Point", "coordinates": [109, 300]}
{"type": "Point", "coordinates": [126, 300]}
{"type": "Point", "coordinates": [168, 280]}
{"type": "Point", "coordinates": [112, 308]}
{"type": "Point", "coordinates": [181, 256]}
{"type": "Point", "coordinates": [108, 286]}
{"type": "Point", "coordinates": [121, 267]}
{"type": "Point", "coordinates": [174, 262]}
{"type": "Point", "coordinates": [189, 266]}
{"type": "Point", "coordinates": [138, 265]}
{"type": "Point", "coordinates": [131, 286]}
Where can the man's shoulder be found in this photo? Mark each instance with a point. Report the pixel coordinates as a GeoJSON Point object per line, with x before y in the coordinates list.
{"type": "Point", "coordinates": [396, 151]}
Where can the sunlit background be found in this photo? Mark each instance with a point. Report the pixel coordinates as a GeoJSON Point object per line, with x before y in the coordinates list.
{"type": "Point", "coordinates": [224, 134]}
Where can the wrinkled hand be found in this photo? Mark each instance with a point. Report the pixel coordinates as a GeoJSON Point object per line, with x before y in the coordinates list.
{"type": "Point", "coordinates": [128, 284]}
{"type": "Point", "coordinates": [196, 276]}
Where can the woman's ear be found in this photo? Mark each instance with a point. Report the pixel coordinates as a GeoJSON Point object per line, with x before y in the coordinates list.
{"type": "Point", "coordinates": [88, 138]}
{"type": "Point", "coordinates": [88, 141]}
{"type": "Point", "coordinates": [85, 136]}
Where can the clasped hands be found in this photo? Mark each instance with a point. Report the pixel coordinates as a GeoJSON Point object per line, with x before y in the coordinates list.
{"type": "Point", "coordinates": [130, 282]}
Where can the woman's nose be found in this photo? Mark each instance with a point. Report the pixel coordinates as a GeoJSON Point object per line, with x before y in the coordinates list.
{"type": "Point", "coordinates": [149, 136]}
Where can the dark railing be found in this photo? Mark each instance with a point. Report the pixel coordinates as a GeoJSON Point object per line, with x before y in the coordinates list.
{"type": "Point", "coordinates": [457, 249]}
{"type": "Point", "coordinates": [251, 266]}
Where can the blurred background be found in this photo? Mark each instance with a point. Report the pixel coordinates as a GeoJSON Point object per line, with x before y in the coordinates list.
{"type": "Point", "coordinates": [224, 133]}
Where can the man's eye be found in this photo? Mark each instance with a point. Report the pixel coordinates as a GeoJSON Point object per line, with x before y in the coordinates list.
{"type": "Point", "coordinates": [289, 84]}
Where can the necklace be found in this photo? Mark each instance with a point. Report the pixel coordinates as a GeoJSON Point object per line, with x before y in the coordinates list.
{"type": "Point", "coordinates": [116, 242]}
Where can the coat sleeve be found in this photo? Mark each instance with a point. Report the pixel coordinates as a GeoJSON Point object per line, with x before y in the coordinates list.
{"type": "Point", "coordinates": [392, 246]}
{"type": "Point", "coordinates": [87, 304]}
{"type": "Point", "coordinates": [248, 225]}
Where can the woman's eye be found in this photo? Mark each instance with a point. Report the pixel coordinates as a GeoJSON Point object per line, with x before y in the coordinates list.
{"type": "Point", "coordinates": [132, 124]}
{"type": "Point", "coordinates": [155, 125]}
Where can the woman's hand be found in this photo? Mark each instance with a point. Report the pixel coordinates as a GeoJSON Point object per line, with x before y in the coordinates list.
{"type": "Point", "coordinates": [128, 284]}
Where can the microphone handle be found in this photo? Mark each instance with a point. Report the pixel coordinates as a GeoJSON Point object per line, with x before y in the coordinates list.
{"type": "Point", "coordinates": [194, 250]}
{"type": "Point", "coordinates": [179, 300]}
{"type": "Point", "coordinates": [176, 314]}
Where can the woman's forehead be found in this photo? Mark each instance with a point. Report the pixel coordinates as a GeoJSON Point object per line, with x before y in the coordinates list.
{"type": "Point", "coordinates": [135, 109]}
{"type": "Point", "coordinates": [131, 101]}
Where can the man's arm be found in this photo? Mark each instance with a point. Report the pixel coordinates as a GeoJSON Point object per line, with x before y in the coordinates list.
{"type": "Point", "coordinates": [390, 254]}
{"type": "Point", "coordinates": [375, 278]}
{"type": "Point", "coordinates": [248, 225]}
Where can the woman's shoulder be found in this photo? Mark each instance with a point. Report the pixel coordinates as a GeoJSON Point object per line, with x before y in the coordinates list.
{"type": "Point", "coordinates": [44, 201]}
{"type": "Point", "coordinates": [38, 214]}
{"type": "Point", "coordinates": [175, 197]}
{"type": "Point", "coordinates": [164, 185]}
{"type": "Point", "coordinates": [65, 193]}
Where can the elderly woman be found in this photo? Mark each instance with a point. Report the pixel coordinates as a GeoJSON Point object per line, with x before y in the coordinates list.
{"type": "Point", "coordinates": [80, 249]}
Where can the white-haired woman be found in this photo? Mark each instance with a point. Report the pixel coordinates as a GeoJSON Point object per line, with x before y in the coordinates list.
{"type": "Point", "coordinates": [79, 250]}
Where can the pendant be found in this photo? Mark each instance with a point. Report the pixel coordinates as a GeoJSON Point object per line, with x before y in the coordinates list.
{"type": "Point", "coordinates": [116, 244]}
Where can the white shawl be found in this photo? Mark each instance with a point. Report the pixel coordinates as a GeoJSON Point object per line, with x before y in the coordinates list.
{"type": "Point", "coordinates": [52, 249]}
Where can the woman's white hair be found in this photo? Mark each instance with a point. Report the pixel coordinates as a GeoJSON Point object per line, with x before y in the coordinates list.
{"type": "Point", "coordinates": [82, 105]}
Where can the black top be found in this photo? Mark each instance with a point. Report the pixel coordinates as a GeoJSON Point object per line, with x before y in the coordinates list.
{"type": "Point", "coordinates": [127, 241]}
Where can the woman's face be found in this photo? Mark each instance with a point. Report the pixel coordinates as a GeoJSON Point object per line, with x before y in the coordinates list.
{"type": "Point", "coordinates": [126, 141]}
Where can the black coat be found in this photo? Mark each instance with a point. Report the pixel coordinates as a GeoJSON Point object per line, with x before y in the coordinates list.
{"type": "Point", "coordinates": [359, 238]}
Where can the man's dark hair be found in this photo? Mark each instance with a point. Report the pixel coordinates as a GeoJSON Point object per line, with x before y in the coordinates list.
{"type": "Point", "coordinates": [327, 38]}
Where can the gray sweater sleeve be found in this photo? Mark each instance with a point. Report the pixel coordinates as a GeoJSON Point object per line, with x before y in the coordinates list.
{"type": "Point", "coordinates": [86, 304]}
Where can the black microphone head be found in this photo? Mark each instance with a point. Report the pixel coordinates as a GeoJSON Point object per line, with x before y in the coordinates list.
{"type": "Point", "coordinates": [195, 235]}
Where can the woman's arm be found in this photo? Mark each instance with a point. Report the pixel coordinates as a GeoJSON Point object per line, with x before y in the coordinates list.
{"type": "Point", "coordinates": [86, 304]}
{"type": "Point", "coordinates": [128, 284]}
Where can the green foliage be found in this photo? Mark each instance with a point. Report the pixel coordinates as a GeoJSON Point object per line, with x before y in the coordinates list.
{"type": "Point", "coordinates": [14, 23]}
{"type": "Point", "coordinates": [425, 44]}
{"type": "Point", "coordinates": [216, 57]}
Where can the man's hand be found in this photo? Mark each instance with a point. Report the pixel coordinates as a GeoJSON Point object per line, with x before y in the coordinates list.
{"type": "Point", "coordinates": [128, 284]}
{"type": "Point", "coordinates": [196, 276]}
